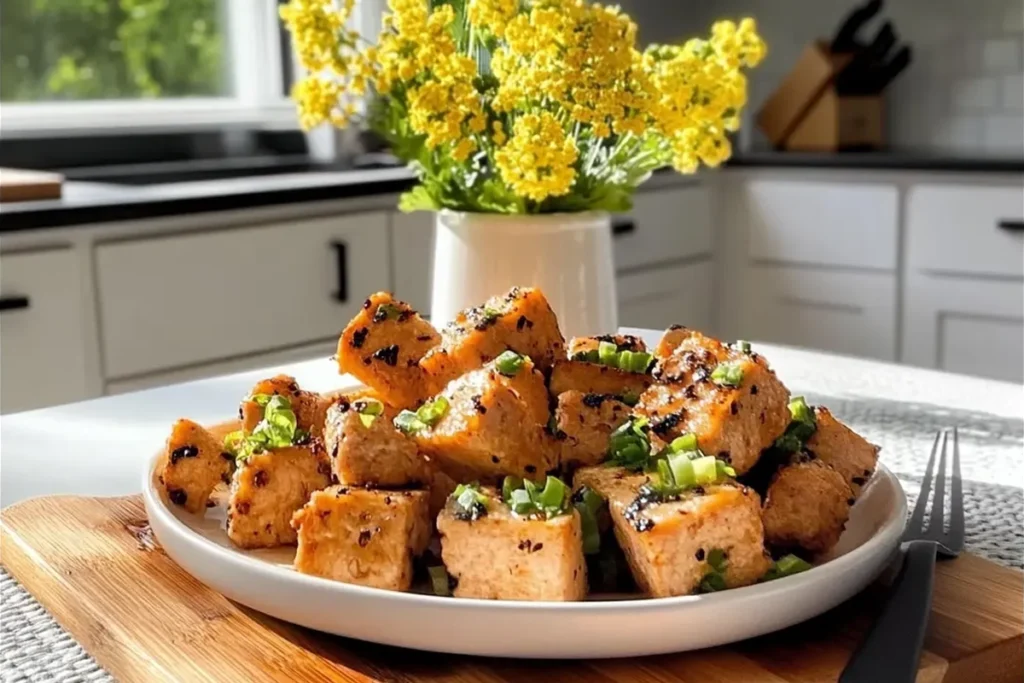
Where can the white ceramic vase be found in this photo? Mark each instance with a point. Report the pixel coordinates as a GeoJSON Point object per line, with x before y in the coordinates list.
{"type": "Point", "coordinates": [568, 256]}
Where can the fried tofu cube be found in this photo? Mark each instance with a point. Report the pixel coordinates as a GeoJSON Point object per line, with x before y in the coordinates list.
{"type": "Point", "coordinates": [732, 420]}
{"type": "Point", "coordinates": [579, 346]}
{"type": "Point", "coordinates": [268, 488]}
{"type": "Point", "coordinates": [374, 454]}
{"type": "Point", "coordinates": [847, 452]}
{"type": "Point", "coordinates": [194, 462]}
{"type": "Point", "coordinates": [673, 337]}
{"type": "Point", "coordinates": [494, 426]}
{"type": "Point", "coordinates": [310, 407]}
{"type": "Point", "coordinates": [362, 536]}
{"type": "Point", "coordinates": [594, 378]}
{"type": "Point", "coordinates": [382, 347]}
{"type": "Point", "coordinates": [584, 422]}
{"type": "Point", "coordinates": [501, 556]}
{"type": "Point", "coordinates": [521, 320]}
{"type": "Point", "coordinates": [807, 506]}
{"type": "Point", "coordinates": [667, 543]}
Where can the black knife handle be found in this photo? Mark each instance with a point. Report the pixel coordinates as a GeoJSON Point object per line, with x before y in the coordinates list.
{"type": "Point", "coordinates": [623, 226]}
{"type": "Point", "coordinates": [341, 256]}
{"type": "Point", "coordinates": [1011, 225]}
{"type": "Point", "coordinates": [13, 303]}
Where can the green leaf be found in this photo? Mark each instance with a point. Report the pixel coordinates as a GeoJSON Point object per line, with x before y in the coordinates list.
{"type": "Point", "coordinates": [417, 199]}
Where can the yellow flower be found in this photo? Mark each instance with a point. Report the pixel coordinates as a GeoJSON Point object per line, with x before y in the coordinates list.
{"type": "Point", "coordinates": [499, 136]}
{"type": "Point", "coordinates": [537, 162]}
{"type": "Point", "coordinates": [463, 148]}
{"type": "Point", "coordinates": [318, 100]}
{"type": "Point", "coordinates": [492, 15]}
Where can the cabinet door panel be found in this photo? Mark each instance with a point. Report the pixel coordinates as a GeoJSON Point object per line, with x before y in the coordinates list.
{"type": "Point", "coordinates": [841, 312]}
{"type": "Point", "coordinates": [189, 299]}
{"type": "Point", "coordinates": [42, 345]}
{"type": "Point", "coordinates": [659, 298]}
{"type": "Point", "coordinates": [664, 225]}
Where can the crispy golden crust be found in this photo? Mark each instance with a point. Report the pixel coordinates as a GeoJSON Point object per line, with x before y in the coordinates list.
{"type": "Point", "coordinates": [521, 320]}
{"type": "Point", "coordinates": [592, 378]}
{"type": "Point", "coordinates": [666, 544]}
{"type": "Point", "coordinates": [491, 429]}
{"type": "Point", "coordinates": [587, 420]}
{"type": "Point", "coordinates": [362, 537]}
{"type": "Point", "coordinates": [268, 488]}
{"type": "Point", "coordinates": [310, 407]}
{"type": "Point", "coordinates": [623, 342]}
{"type": "Point", "coordinates": [504, 557]}
{"type": "Point", "coordinates": [377, 455]}
{"type": "Point", "coordinates": [806, 508]}
{"type": "Point", "coordinates": [673, 337]}
{"type": "Point", "coordinates": [847, 452]}
{"type": "Point", "coordinates": [732, 423]}
{"type": "Point", "coordinates": [194, 462]}
{"type": "Point", "coordinates": [382, 347]}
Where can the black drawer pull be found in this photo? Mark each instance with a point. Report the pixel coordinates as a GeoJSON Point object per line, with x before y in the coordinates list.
{"type": "Point", "coordinates": [13, 303]}
{"type": "Point", "coordinates": [341, 254]}
{"type": "Point", "coordinates": [1011, 225]}
{"type": "Point", "coordinates": [623, 226]}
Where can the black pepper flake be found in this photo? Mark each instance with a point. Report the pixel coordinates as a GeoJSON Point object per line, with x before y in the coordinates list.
{"type": "Point", "coordinates": [225, 477]}
{"type": "Point", "coordinates": [594, 400]}
{"type": "Point", "coordinates": [537, 547]}
{"type": "Point", "coordinates": [690, 392]}
{"type": "Point", "coordinates": [242, 507]}
{"type": "Point", "coordinates": [241, 415]}
{"type": "Point", "coordinates": [699, 554]}
{"type": "Point", "coordinates": [183, 452]}
{"type": "Point", "coordinates": [675, 327]}
{"type": "Point", "coordinates": [260, 479]}
{"type": "Point", "coordinates": [867, 473]}
{"type": "Point", "coordinates": [227, 456]}
{"type": "Point", "coordinates": [525, 544]}
{"type": "Point", "coordinates": [388, 354]}
{"type": "Point", "coordinates": [521, 323]}
{"type": "Point", "coordinates": [734, 408]}
{"type": "Point", "coordinates": [666, 424]}
{"type": "Point", "coordinates": [753, 390]}
{"type": "Point", "coordinates": [762, 417]}
{"type": "Point", "coordinates": [359, 337]}
{"type": "Point", "coordinates": [364, 537]}
{"type": "Point", "coordinates": [424, 337]}
{"type": "Point", "coordinates": [495, 459]}
{"type": "Point", "coordinates": [387, 500]}
{"type": "Point", "coordinates": [367, 304]}
{"type": "Point", "coordinates": [859, 481]}
{"type": "Point", "coordinates": [851, 501]}
{"type": "Point", "coordinates": [478, 406]}
{"type": "Point", "coordinates": [530, 469]}
{"type": "Point", "coordinates": [177, 496]}
{"type": "Point", "coordinates": [725, 456]}
{"type": "Point", "coordinates": [210, 504]}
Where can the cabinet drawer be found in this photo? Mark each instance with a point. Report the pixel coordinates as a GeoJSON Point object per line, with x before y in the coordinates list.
{"type": "Point", "coordinates": [658, 298]}
{"type": "Point", "coordinates": [965, 229]}
{"type": "Point", "coordinates": [822, 223]}
{"type": "Point", "coordinates": [42, 337]}
{"type": "Point", "coordinates": [664, 225]}
{"type": "Point", "coordinates": [183, 300]}
{"type": "Point", "coordinates": [842, 312]}
{"type": "Point", "coordinates": [412, 244]}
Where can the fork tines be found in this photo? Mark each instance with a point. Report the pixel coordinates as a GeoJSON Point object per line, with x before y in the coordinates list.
{"type": "Point", "coordinates": [951, 540]}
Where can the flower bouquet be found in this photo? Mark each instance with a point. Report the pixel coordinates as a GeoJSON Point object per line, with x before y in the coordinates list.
{"type": "Point", "coordinates": [522, 107]}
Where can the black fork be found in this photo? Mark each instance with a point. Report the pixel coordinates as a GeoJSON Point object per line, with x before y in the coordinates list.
{"type": "Point", "coordinates": [892, 649]}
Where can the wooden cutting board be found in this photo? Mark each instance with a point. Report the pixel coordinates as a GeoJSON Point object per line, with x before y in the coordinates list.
{"type": "Point", "coordinates": [17, 185]}
{"type": "Point", "coordinates": [94, 564]}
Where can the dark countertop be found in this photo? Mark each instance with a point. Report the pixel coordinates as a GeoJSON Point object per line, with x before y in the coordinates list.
{"type": "Point", "coordinates": [91, 198]}
{"type": "Point", "coordinates": [895, 161]}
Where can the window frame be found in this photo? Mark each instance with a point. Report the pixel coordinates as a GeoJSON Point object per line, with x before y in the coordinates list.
{"type": "Point", "coordinates": [255, 52]}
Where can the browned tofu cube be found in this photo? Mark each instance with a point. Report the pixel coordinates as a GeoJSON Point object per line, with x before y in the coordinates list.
{"type": "Point", "coordinates": [501, 556]}
{"type": "Point", "coordinates": [586, 421]}
{"type": "Point", "coordinates": [673, 337]}
{"type": "Point", "coordinates": [847, 452]}
{"type": "Point", "coordinates": [807, 506]}
{"type": "Point", "coordinates": [734, 417]}
{"type": "Point", "coordinates": [361, 536]}
{"type": "Point", "coordinates": [623, 342]}
{"type": "Point", "coordinates": [593, 378]}
{"type": "Point", "coordinates": [494, 426]}
{"type": "Point", "coordinates": [310, 407]}
{"type": "Point", "coordinates": [521, 321]}
{"type": "Point", "coordinates": [373, 454]}
{"type": "Point", "coordinates": [668, 544]}
{"type": "Point", "coordinates": [268, 488]}
{"type": "Point", "coordinates": [382, 347]}
{"type": "Point", "coordinates": [194, 462]}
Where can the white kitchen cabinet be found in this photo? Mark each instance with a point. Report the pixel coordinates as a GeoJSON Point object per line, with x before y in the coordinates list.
{"type": "Point", "coordinates": [665, 225]}
{"type": "Point", "coordinates": [184, 300]}
{"type": "Point", "coordinates": [42, 335]}
{"type": "Point", "coordinates": [412, 249]}
{"type": "Point", "coordinates": [964, 290]}
{"type": "Point", "coordinates": [661, 297]}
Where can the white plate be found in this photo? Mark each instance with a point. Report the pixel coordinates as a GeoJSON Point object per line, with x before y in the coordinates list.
{"type": "Point", "coordinates": [264, 581]}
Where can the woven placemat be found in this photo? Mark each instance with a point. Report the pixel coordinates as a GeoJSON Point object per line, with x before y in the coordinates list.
{"type": "Point", "coordinates": [33, 647]}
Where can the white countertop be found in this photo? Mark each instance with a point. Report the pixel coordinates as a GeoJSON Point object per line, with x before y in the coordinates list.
{"type": "Point", "coordinates": [99, 447]}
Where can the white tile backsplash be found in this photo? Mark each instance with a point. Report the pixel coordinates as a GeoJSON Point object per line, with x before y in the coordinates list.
{"type": "Point", "coordinates": [962, 92]}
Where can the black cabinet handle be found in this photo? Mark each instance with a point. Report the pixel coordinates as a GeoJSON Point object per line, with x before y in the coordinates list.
{"type": "Point", "coordinates": [13, 303]}
{"type": "Point", "coordinates": [1011, 225]}
{"type": "Point", "coordinates": [623, 226]}
{"type": "Point", "coordinates": [341, 254]}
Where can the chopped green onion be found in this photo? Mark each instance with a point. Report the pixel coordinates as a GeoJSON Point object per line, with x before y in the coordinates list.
{"type": "Point", "coordinates": [367, 420]}
{"type": "Point", "coordinates": [509, 363]}
{"type": "Point", "coordinates": [588, 503]}
{"type": "Point", "coordinates": [714, 580]}
{"type": "Point", "coordinates": [629, 446]}
{"type": "Point", "coordinates": [724, 469]}
{"type": "Point", "coordinates": [800, 429]}
{"type": "Point", "coordinates": [387, 312]}
{"type": "Point", "coordinates": [261, 399]}
{"type": "Point", "coordinates": [431, 412]}
{"type": "Point", "coordinates": [509, 485]}
{"type": "Point", "coordinates": [590, 356]}
{"type": "Point", "coordinates": [369, 409]}
{"type": "Point", "coordinates": [608, 354]}
{"type": "Point", "coordinates": [742, 346]}
{"type": "Point", "coordinates": [470, 502]}
{"type": "Point", "coordinates": [525, 498]}
{"type": "Point", "coordinates": [716, 558]}
{"type": "Point", "coordinates": [786, 566]}
{"type": "Point", "coordinates": [630, 398]}
{"type": "Point", "coordinates": [685, 443]}
{"type": "Point", "coordinates": [638, 362]}
{"type": "Point", "coordinates": [409, 422]}
{"type": "Point", "coordinates": [490, 315]}
{"type": "Point", "coordinates": [704, 470]}
{"type": "Point", "coordinates": [729, 374]}
{"type": "Point", "coordinates": [439, 581]}
{"type": "Point", "coordinates": [553, 495]}
{"type": "Point", "coordinates": [521, 503]}
{"type": "Point", "coordinates": [277, 429]}
{"type": "Point", "coordinates": [683, 471]}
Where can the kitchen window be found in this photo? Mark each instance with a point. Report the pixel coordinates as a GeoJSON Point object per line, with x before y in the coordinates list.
{"type": "Point", "coordinates": [82, 66]}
